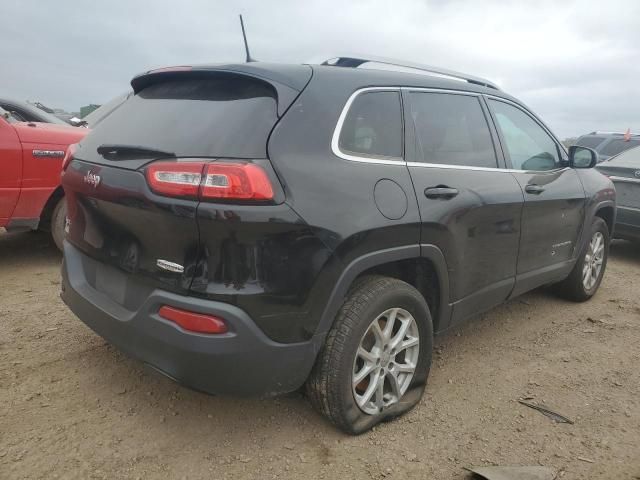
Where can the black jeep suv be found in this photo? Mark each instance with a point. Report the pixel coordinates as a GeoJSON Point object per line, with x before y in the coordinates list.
{"type": "Point", "coordinates": [253, 228]}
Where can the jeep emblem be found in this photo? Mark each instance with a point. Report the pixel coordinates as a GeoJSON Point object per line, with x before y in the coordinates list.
{"type": "Point", "coordinates": [92, 179]}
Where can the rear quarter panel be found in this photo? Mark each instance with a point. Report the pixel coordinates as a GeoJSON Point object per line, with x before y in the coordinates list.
{"type": "Point", "coordinates": [333, 196]}
{"type": "Point", "coordinates": [600, 193]}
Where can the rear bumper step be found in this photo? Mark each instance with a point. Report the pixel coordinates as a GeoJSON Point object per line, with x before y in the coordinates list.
{"type": "Point", "coordinates": [242, 361]}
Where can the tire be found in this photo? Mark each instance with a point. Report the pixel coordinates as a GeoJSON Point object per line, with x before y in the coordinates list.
{"type": "Point", "coordinates": [58, 218]}
{"type": "Point", "coordinates": [575, 287]}
{"type": "Point", "coordinates": [330, 386]}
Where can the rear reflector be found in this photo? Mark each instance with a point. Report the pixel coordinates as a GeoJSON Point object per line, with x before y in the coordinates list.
{"type": "Point", "coordinates": [210, 180]}
{"type": "Point", "coordinates": [193, 322]}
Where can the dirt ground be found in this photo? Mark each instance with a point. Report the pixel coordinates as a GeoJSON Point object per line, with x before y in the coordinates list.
{"type": "Point", "coordinates": [72, 406]}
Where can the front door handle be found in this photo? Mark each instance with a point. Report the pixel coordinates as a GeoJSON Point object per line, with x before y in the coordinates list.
{"type": "Point", "coordinates": [440, 192]}
{"type": "Point", "coordinates": [535, 189]}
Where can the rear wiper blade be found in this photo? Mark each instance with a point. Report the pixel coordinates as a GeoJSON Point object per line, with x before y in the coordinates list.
{"type": "Point", "coordinates": [132, 151]}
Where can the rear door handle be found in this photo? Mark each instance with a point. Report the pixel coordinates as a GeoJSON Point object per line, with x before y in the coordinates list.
{"type": "Point", "coordinates": [535, 189]}
{"type": "Point", "coordinates": [440, 192]}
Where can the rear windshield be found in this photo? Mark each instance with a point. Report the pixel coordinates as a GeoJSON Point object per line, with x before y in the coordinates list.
{"type": "Point", "coordinates": [218, 115]}
{"type": "Point", "coordinates": [618, 145]}
{"type": "Point", "coordinates": [589, 142]}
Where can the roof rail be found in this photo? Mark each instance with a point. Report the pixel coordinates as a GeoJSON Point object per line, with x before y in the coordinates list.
{"type": "Point", "coordinates": [356, 61]}
{"type": "Point", "coordinates": [598, 132]}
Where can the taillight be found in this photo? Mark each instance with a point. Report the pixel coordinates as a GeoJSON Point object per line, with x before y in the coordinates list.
{"type": "Point", "coordinates": [242, 181]}
{"type": "Point", "coordinates": [193, 322]}
{"type": "Point", "coordinates": [175, 179]}
{"type": "Point", "coordinates": [68, 156]}
{"type": "Point", "coordinates": [215, 180]}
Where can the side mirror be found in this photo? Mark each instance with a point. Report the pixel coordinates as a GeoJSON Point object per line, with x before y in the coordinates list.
{"type": "Point", "coordinates": [77, 122]}
{"type": "Point", "coordinates": [582, 157]}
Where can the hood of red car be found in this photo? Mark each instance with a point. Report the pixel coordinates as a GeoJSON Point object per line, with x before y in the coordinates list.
{"type": "Point", "coordinates": [32, 132]}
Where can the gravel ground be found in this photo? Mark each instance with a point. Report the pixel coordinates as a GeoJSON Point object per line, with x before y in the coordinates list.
{"type": "Point", "coordinates": [71, 406]}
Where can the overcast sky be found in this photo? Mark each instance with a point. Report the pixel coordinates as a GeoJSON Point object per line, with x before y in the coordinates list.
{"type": "Point", "coordinates": [575, 63]}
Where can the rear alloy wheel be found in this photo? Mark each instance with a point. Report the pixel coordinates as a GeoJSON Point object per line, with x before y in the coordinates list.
{"type": "Point", "coordinates": [386, 360]}
{"type": "Point", "coordinates": [376, 358]}
{"type": "Point", "coordinates": [58, 219]}
{"type": "Point", "coordinates": [593, 261]}
{"type": "Point", "coordinates": [586, 276]}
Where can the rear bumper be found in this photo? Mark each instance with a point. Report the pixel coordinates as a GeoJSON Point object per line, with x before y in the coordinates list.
{"type": "Point", "coordinates": [243, 361]}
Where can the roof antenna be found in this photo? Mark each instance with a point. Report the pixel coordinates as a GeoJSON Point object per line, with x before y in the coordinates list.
{"type": "Point", "coordinates": [246, 45]}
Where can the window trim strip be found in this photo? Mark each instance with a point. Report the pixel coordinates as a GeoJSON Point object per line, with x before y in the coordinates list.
{"type": "Point", "coordinates": [335, 140]}
{"type": "Point", "coordinates": [615, 178]}
{"type": "Point", "coordinates": [531, 115]}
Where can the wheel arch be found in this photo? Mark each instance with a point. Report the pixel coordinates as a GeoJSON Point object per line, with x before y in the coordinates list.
{"type": "Point", "coordinates": [607, 211]}
{"type": "Point", "coordinates": [422, 266]}
{"type": "Point", "coordinates": [47, 210]}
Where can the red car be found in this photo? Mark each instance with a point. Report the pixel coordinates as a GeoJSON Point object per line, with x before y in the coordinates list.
{"type": "Point", "coordinates": [31, 155]}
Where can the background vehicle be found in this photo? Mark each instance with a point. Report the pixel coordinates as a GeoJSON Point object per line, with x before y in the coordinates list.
{"type": "Point", "coordinates": [318, 224]}
{"type": "Point", "coordinates": [624, 171]}
{"type": "Point", "coordinates": [609, 144]}
{"type": "Point", "coordinates": [31, 156]}
{"type": "Point", "coordinates": [23, 112]}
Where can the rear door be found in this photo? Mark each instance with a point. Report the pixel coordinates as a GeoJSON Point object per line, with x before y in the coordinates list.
{"type": "Point", "coordinates": [554, 206]}
{"type": "Point", "coordinates": [624, 171]}
{"type": "Point", "coordinates": [470, 206]}
{"type": "Point", "coordinates": [10, 169]}
{"type": "Point", "coordinates": [116, 216]}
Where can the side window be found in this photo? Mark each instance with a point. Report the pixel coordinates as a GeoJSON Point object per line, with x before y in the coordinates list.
{"type": "Point", "coordinates": [618, 145]}
{"type": "Point", "coordinates": [19, 115]}
{"type": "Point", "coordinates": [451, 130]}
{"type": "Point", "coordinates": [373, 126]}
{"type": "Point", "coordinates": [530, 147]}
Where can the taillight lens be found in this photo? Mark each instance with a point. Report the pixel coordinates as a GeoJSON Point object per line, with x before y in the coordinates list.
{"type": "Point", "coordinates": [242, 181]}
{"type": "Point", "coordinates": [215, 180]}
{"type": "Point", "coordinates": [194, 322]}
{"type": "Point", "coordinates": [68, 156]}
{"type": "Point", "coordinates": [175, 179]}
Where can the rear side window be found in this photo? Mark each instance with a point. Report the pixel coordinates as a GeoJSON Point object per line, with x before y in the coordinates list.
{"type": "Point", "coordinates": [630, 158]}
{"type": "Point", "coordinates": [216, 115]}
{"type": "Point", "coordinates": [618, 145]}
{"type": "Point", "coordinates": [373, 126]}
{"type": "Point", "coordinates": [530, 147]}
{"type": "Point", "coordinates": [451, 130]}
{"type": "Point", "coordinates": [589, 142]}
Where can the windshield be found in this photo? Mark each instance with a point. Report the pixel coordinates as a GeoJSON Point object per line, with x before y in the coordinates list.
{"type": "Point", "coordinates": [7, 115]}
{"type": "Point", "coordinates": [23, 112]}
{"type": "Point", "coordinates": [589, 142]}
{"type": "Point", "coordinates": [213, 115]}
{"type": "Point", "coordinates": [46, 117]}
